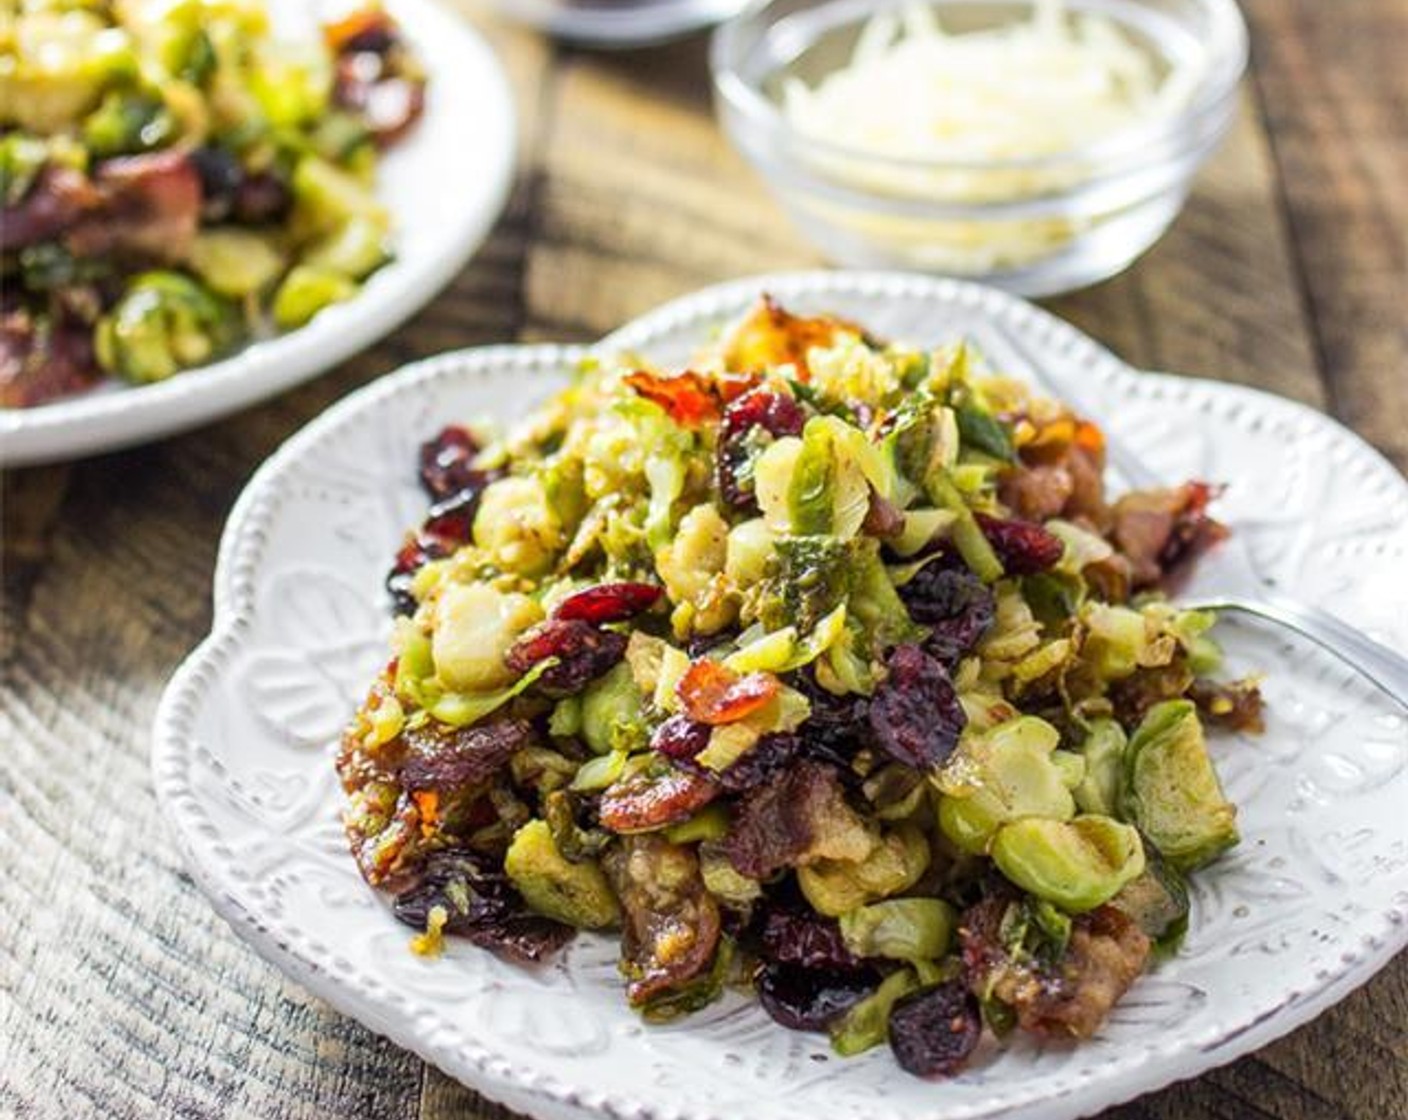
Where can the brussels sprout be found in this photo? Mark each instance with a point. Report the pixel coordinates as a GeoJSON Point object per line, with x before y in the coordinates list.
{"type": "Point", "coordinates": [305, 291]}
{"type": "Point", "coordinates": [1170, 788]}
{"type": "Point", "coordinates": [326, 198]}
{"type": "Point", "coordinates": [834, 887]}
{"type": "Point", "coordinates": [782, 651]}
{"type": "Point", "coordinates": [1103, 751]}
{"type": "Point", "coordinates": [999, 776]}
{"type": "Point", "coordinates": [867, 1023]}
{"type": "Point", "coordinates": [516, 525]}
{"type": "Point", "coordinates": [808, 578]}
{"type": "Point", "coordinates": [983, 431]}
{"type": "Point", "coordinates": [1071, 766]}
{"type": "Point", "coordinates": [292, 86]}
{"type": "Point", "coordinates": [566, 719]}
{"type": "Point", "coordinates": [1077, 865]}
{"type": "Point", "coordinates": [1157, 900]}
{"type": "Point", "coordinates": [126, 122]}
{"type": "Point", "coordinates": [820, 483]}
{"type": "Point", "coordinates": [236, 262]}
{"type": "Point", "coordinates": [611, 712]}
{"type": "Point", "coordinates": [749, 551]}
{"type": "Point", "coordinates": [724, 881]}
{"type": "Point", "coordinates": [164, 323]}
{"type": "Point", "coordinates": [575, 893]}
{"type": "Point", "coordinates": [965, 532]}
{"type": "Point", "coordinates": [921, 528]}
{"type": "Point", "coordinates": [696, 555]}
{"type": "Point", "coordinates": [907, 929]}
{"type": "Point", "coordinates": [710, 823]}
{"type": "Point", "coordinates": [61, 62]}
{"type": "Point", "coordinates": [22, 157]}
{"type": "Point", "coordinates": [474, 627]}
{"type": "Point", "coordinates": [460, 709]}
{"type": "Point", "coordinates": [599, 772]}
{"type": "Point", "coordinates": [355, 249]}
{"type": "Point", "coordinates": [1115, 640]}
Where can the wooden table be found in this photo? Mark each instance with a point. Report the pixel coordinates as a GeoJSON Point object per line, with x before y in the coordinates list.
{"type": "Point", "coordinates": [122, 995]}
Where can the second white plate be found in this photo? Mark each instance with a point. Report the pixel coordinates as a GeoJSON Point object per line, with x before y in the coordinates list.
{"type": "Point", "coordinates": [444, 184]}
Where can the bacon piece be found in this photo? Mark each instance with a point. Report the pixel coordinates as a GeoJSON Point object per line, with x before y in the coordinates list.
{"type": "Point", "coordinates": [799, 818]}
{"type": "Point", "coordinates": [42, 361]}
{"type": "Point", "coordinates": [714, 694]}
{"type": "Point", "coordinates": [771, 336]}
{"type": "Point", "coordinates": [1159, 531]}
{"type": "Point", "coordinates": [55, 203]}
{"type": "Point", "coordinates": [672, 923]}
{"type": "Point", "coordinates": [689, 398]}
{"type": "Point", "coordinates": [150, 209]}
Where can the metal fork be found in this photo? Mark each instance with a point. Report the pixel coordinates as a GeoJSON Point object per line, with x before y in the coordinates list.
{"type": "Point", "coordinates": [1224, 578]}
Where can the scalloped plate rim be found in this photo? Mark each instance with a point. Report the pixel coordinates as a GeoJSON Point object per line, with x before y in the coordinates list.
{"type": "Point", "coordinates": [486, 1071]}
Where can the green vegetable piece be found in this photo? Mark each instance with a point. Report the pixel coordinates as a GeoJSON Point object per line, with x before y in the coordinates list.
{"type": "Point", "coordinates": [710, 823]}
{"type": "Point", "coordinates": [1072, 767]}
{"type": "Point", "coordinates": [356, 249]}
{"type": "Point", "coordinates": [867, 1023]}
{"type": "Point", "coordinates": [966, 534]}
{"type": "Point", "coordinates": [835, 887]}
{"type": "Point", "coordinates": [907, 929]}
{"type": "Point", "coordinates": [126, 122]}
{"type": "Point", "coordinates": [326, 198]}
{"type": "Point", "coordinates": [566, 719]}
{"type": "Point", "coordinates": [292, 85]}
{"type": "Point", "coordinates": [722, 879]}
{"type": "Point", "coordinates": [611, 712]}
{"type": "Point", "coordinates": [1157, 900]}
{"type": "Point", "coordinates": [236, 262]}
{"type": "Point", "coordinates": [1103, 750]}
{"type": "Point", "coordinates": [1076, 865]}
{"type": "Point", "coordinates": [982, 430]}
{"type": "Point", "coordinates": [696, 994]}
{"type": "Point", "coordinates": [1001, 775]}
{"type": "Point", "coordinates": [821, 483]}
{"type": "Point", "coordinates": [1115, 640]}
{"type": "Point", "coordinates": [165, 322]}
{"type": "Point", "coordinates": [1171, 791]}
{"type": "Point", "coordinates": [306, 291]}
{"type": "Point", "coordinates": [577, 894]}
{"type": "Point", "coordinates": [460, 709]}
{"type": "Point", "coordinates": [22, 157]}
{"type": "Point", "coordinates": [599, 772]}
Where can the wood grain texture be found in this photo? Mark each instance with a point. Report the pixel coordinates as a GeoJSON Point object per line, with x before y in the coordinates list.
{"type": "Point", "coordinates": [121, 995]}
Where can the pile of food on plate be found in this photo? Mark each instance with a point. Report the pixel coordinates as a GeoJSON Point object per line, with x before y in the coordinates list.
{"type": "Point", "coordinates": [825, 666]}
{"type": "Point", "coordinates": [176, 181]}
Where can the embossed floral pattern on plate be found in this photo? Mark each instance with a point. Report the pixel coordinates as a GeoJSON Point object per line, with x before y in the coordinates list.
{"type": "Point", "coordinates": [1310, 905]}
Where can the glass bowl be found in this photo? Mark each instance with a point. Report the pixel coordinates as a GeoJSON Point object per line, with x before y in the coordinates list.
{"type": "Point", "coordinates": [1035, 226]}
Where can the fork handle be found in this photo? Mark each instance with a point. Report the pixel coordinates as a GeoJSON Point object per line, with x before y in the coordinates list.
{"type": "Point", "coordinates": [1383, 666]}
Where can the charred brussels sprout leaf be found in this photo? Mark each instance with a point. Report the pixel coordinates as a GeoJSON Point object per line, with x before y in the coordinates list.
{"type": "Point", "coordinates": [1171, 790]}
{"type": "Point", "coordinates": [907, 929]}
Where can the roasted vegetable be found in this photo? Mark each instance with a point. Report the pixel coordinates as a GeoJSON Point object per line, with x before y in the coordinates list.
{"type": "Point", "coordinates": [165, 323]}
{"type": "Point", "coordinates": [576, 894]}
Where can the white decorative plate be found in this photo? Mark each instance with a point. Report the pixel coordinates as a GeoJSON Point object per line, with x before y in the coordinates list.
{"type": "Point", "coordinates": [1309, 906]}
{"type": "Point", "coordinates": [444, 184]}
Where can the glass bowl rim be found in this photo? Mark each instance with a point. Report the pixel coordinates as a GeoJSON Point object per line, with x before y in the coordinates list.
{"type": "Point", "coordinates": [1229, 53]}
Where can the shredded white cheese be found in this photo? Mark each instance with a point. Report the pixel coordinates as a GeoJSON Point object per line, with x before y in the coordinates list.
{"type": "Point", "coordinates": [1053, 84]}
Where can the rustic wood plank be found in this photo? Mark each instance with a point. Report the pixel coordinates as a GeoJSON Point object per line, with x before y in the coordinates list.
{"type": "Point", "coordinates": [1335, 91]}
{"type": "Point", "coordinates": [1218, 296]}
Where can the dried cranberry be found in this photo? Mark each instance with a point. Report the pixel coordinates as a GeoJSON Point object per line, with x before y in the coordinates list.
{"type": "Point", "coordinates": [837, 725]}
{"type": "Point", "coordinates": [1024, 547]}
{"type": "Point", "coordinates": [608, 602]}
{"type": "Point", "coordinates": [934, 1030]}
{"type": "Point", "coordinates": [464, 883]}
{"type": "Point", "coordinates": [583, 653]}
{"type": "Point", "coordinates": [915, 716]}
{"type": "Point", "coordinates": [680, 737]}
{"type": "Point", "coordinates": [446, 463]}
{"type": "Point", "coordinates": [451, 520]}
{"type": "Point", "coordinates": [810, 999]}
{"type": "Point", "coordinates": [775, 413]}
{"type": "Point", "coordinates": [714, 694]}
{"type": "Point", "coordinates": [479, 904]}
{"type": "Point", "coordinates": [261, 198]}
{"type": "Point", "coordinates": [954, 603]}
{"type": "Point", "coordinates": [689, 398]}
{"type": "Point", "coordinates": [798, 935]}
